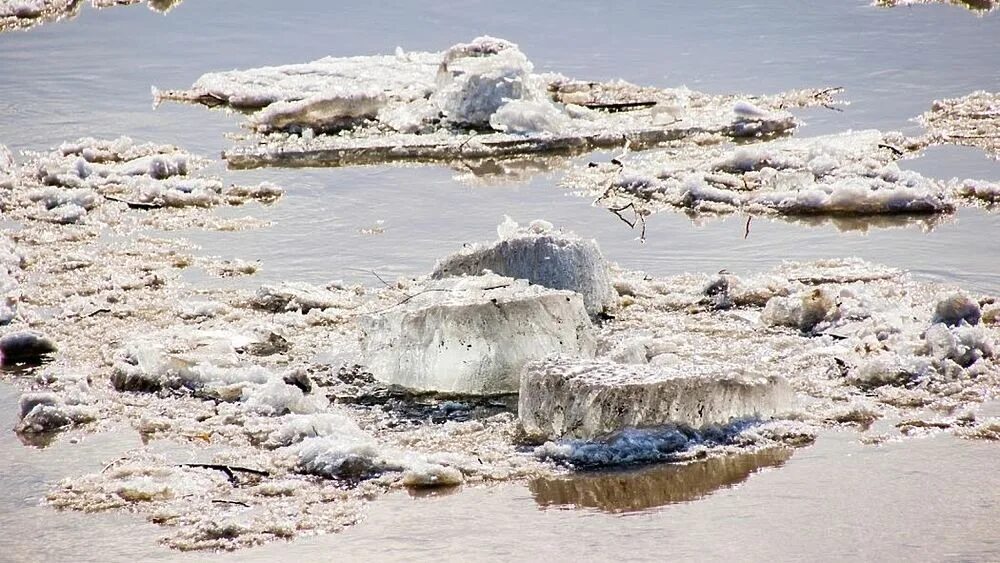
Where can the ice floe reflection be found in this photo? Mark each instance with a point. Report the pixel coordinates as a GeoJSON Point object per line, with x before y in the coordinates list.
{"type": "Point", "coordinates": [654, 486]}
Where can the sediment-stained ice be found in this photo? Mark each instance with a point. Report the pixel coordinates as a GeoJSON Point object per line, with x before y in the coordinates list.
{"type": "Point", "coordinates": [568, 398]}
{"type": "Point", "coordinates": [472, 334]}
{"type": "Point", "coordinates": [847, 174]}
{"type": "Point", "coordinates": [541, 255]}
{"type": "Point", "coordinates": [475, 100]}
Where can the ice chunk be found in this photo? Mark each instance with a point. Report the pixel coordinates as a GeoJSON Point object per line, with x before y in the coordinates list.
{"type": "Point", "coordinates": [590, 399]}
{"type": "Point", "coordinates": [24, 345]}
{"type": "Point", "coordinates": [526, 117]}
{"type": "Point", "coordinates": [963, 344]}
{"type": "Point", "coordinates": [476, 79]}
{"type": "Point", "coordinates": [955, 309]}
{"type": "Point", "coordinates": [542, 256]}
{"type": "Point", "coordinates": [804, 312]}
{"type": "Point", "coordinates": [473, 334]}
{"type": "Point", "coordinates": [329, 111]}
{"type": "Point", "coordinates": [296, 296]}
{"type": "Point", "coordinates": [46, 412]}
{"type": "Point", "coordinates": [277, 397]}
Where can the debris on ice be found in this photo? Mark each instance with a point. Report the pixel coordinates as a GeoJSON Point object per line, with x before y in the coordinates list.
{"type": "Point", "coordinates": [543, 256]}
{"type": "Point", "coordinates": [472, 334]}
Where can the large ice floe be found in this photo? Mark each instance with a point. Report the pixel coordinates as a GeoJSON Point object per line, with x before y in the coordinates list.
{"type": "Point", "coordinates": [475, 100]}
{"type": "Point", "coordinates": [26, 14]}
{"type": "Point", "coordinates": [279, 412]}
{"type": "Point", "coordinates": [846, 174]}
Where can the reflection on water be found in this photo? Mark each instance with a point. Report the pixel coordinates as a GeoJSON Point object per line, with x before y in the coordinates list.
{"type": "Point", "coordinates": [655, 486]}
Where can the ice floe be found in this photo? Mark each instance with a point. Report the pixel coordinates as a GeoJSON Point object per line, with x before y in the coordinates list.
{"type": "Point", "coordinates": [847, 174]}
{"type": "Point", "coordinates": [475, 100]}
{"type": "Point", "coordinates": [972, 120]}
{"type": "Point", "coordinates": [96, 181]}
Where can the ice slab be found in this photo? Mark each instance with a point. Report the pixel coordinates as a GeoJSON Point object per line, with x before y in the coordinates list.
{"type": "Point", "coordinates": [472, 335]}
{"type": "Point", "coordinates": [847, 174]}
{"type": "Point", "coordinates": [571, 398]}
{"type": "Point", "coordinates": [475, 100]}
{"type": "Point", "coordinates": [543, 256]}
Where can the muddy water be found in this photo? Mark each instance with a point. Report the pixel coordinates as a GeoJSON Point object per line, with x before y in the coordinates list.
{"type": "Point", "coordinates": [933, 499]}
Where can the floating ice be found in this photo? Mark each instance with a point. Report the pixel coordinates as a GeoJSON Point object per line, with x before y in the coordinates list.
{"type": "Point", "coordinates": [590, 399]}
{"type": "Point", "coordinates": [472, 334]}
{"type": "Point", "coordinates": [475, 100]}
{"type": "Point", "coordinates": [844, 174]}
{"type": "Point", "coordinates": [972, 120]}
{"type": "Point", "coordinates": [541, 255]}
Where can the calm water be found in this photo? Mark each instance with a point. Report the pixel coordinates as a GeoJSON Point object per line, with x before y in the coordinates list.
{"type": "Point", "coordinates": [926, 499]}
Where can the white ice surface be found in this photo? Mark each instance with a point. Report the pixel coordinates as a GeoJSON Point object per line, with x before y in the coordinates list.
{"type": "Point", "coordinates": [473, 334]}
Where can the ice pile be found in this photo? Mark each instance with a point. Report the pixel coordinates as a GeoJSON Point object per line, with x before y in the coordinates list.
{"type": "Point", "coordinates": [972, 120]}
{"type": "Point", "coordinates": [844, 174]}
{"type": "Point", "coordinates": [481, 99]}
{"type": "Point", "coordinates": [68, 184]}
{"type": "Point", "coordinates": [472, 335]}
{"type": "Point", "coordinates": [566, 398]}
{"type": "Point", "coordinates": [543, 256]}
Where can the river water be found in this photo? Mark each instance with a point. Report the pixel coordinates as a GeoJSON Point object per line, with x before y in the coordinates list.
{"type": "Point", "coordinates": [936, 499]}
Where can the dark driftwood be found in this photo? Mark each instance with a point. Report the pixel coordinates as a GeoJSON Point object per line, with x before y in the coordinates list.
{"type": "Point", "coordinates": [229, 470]}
